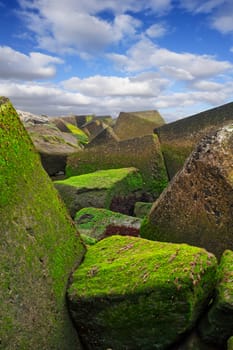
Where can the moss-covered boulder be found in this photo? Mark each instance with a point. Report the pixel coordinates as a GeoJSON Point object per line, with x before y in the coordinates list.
{"type": "Point", "coordinates": [115, 189]}
{"type": "Point", "coordinates": [230, 343]}
{"type": "Point", "coordinates": [131, 293]}
{"type": "Point", "coordinates": [101, 223]}
{"type": "Point", "coordinates": [53, 145]}
{"type": "Point", "coordinates": [178, 139]}
{"type": "Point", "coordinates": [38, 247]}
{"type": "Point", "coordinates": [142, 209]}
{"type": "Point", "coordinates": [105, 136]}
{"type": "Point", "coordinates": [135, 124]}
{"type": "Point", "coordinates": [217, 326]}
{"type": "Point", "coordinates": [143, 153]}
{"type": "Point", "coordinates": [197, 206]}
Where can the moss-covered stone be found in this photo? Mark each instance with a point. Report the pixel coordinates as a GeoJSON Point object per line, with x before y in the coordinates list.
{"type": "Point", "coordinates": [230, 343]}
{"type": "Point", "coordinates": [81, 136]}
{"type": "Point", "coordinates": [38, 247]}
{"type": "Point", "coordinates": [178, 139]}
{"type": "Point", "coordinates": [115, 189]}
{"type": "Point", "coordinates": [53, 145]}
{"type": "Point", "coordinates": [100, 223]}
{"type": "Point", "coordinates": [141, 209]}
{"type": "Point", "coordinates": [217, 326]}
{"type": "Point", "coordinates": [130, 293]}
{"type": "Point", "coordinates": [135, 124]}
{"type": "Point", "coordinates": [197, 206]}
{"type": "Point", "coordinates": [143, 153]}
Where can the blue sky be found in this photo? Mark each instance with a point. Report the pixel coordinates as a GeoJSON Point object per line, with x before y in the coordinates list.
{"type": "Point", "coordinates": [105, 56]}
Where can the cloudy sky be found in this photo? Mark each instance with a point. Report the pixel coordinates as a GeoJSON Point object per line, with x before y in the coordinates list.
{"type": "Point", "coordinates": [106, 56]}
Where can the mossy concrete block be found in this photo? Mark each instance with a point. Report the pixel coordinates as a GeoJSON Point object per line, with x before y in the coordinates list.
{"type": "Point", "coordinates": [105, 136]}
{"type": "Point", "coordinates": [53, 145]}
{"type": "Point", "coordinates": [143, 153]}
{"type": "Point", "coordinates": [131, 293]}
{"type": "Point", "coordinates": [141, 209]}
{"type": "Point", "coordinates": [115, 189]}
{"type": "Point", "coordinates": [230, 343]}
{"type": "Point", "coordinates": [197, 206]}
{"type": "Point", "coordinates": [135, 124]}
{"type": "Point", "coordinates": [217, 326]}
{"type": "Point", "coordinates": [101, 223]}
{"type": "Point", "coordinates": [178, 139]}
{"type": "Point", "coordinates": [38, 247]}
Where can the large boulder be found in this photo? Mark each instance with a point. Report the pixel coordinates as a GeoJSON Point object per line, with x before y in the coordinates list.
{"type": "Point", "coordinates": [135, 124]}
{"type": "Point", "coordinates": [104, 137]}
{"type": "Point", "coordinates": [39, 247]}
{"type": "Point", "coordinates": [53, 145]}
{"type": "Point", "coordinates": [115, 189]}
{"type": "Point", "coordinates": [217, 326]}
{"type": "Point", "coordinates": [130, 293]}
{"type": "Point", "coordinates": [197, 206]}
{"type": "Point", "coordinates": [100, 223]}
{"type": "Point", "coordinates": [178, 139]}
{"type": "Point", "coordinates": [143, 153]}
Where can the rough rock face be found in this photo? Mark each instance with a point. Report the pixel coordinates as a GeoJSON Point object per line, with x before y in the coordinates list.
{"type": "Point", "coordinates": [53, 145]}
{"type": "Point", "coordinates": [100, 223]}
{"type": "Point", "coordinates": [115, 189]}
{"type": "Point", "coordinates": [107, 135]}
{"type": "Point", "coordinates": [38, 247]}
{"type": "Point", "coordinates": [178, 139]}
{"type": "Point", "coordinates": [143, 153]}
{"type": "Point", "coordinates": [217, 326]}
{"type": "Point", "coordinates": [135, 124]}
{"type": "Point", "coordinates": [197, 206]}
{"type": "Point", "coordinates": [131, 293]}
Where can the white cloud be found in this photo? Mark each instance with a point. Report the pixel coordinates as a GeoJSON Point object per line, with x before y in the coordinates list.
{"type": "Point", "coordinates": [157, 30]}
{"type": "Point", "coordinates": [223, 23]}
{"type": "Point", "coordinates": [76, 26]}
{"type": "Point", "coordinates": [199, 6]}
{"type": "Point", "coordinates": [182, 66]}
{"type": "Point", "coordinates": [16, 65]}
{"type": "Point", "coordinates": [147, 85]}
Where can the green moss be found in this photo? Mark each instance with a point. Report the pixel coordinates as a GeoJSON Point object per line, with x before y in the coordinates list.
{"type": "Point", "coordinates": [98, 189]}
{"type": "Point", "coordinates": [88, 240]}
{"type": "Point", "coordinates": [103, 179]}
{"type": "Point", "coordinates": [129, 283]}
{"type": "Point", "coordinates": [80, 134]}
{"type": "Point", "coordinates": [217, 326]}
{"type": "Point", "coordinates": [95, 222]}
{"type": "Point", "coordinates": [230, 343]}
{"type": "Point", "coordinates": [39, 247]}
{"type": "Point", "coordinates": [142, 153]}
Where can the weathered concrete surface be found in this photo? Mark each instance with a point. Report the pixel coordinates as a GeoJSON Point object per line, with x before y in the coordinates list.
{"type": "Point", "coordinates": [143, 153]}
{"type": "Point", "coordinates": [178, 139]}
{"type": "Point", "coordinates": [197, 206]}
{"type": "Point", "coordinates": [135, 124]}
{"type": "Point", "coordinates": [39, 247]}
